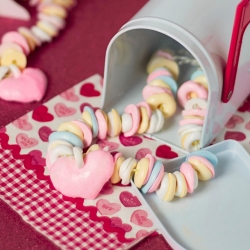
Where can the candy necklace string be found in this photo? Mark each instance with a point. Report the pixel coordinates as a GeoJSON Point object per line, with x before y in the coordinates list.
{"type": "Point", "coordinates": [148, 174]}
{"type": "Point", "coordinates": [17, 45]}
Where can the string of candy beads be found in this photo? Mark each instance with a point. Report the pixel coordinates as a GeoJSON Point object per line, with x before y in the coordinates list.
{"type": "Point", "coordinates": [148, 173]}
{"type": "Point", "coordinates": [17, 45]}
{"type": "Point", "coordinates": [193, 95]}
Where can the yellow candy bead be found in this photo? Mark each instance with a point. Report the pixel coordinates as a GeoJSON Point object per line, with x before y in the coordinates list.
{"type": "Point", "coordinates": [163, 102]}
{"type": "Point", "coordinates": [144, 120]}
{"type": "Point", "coordinates": [193, 95]}
{"type": "Point", "coordinates": [159, 83]}
{"type": "Point", "coordinates": [115, 178]}
{"type": "Point", "coordinates": [46, 29]}
{"type": "Point", "coordinates": [193, 117]}
{"type": "Point", "coordinates": [29, 40]}
{"type": "Point", "coordinates": [203, 172]}
{"type": "Point", "coordinates": [202, 80]}
{"type": "Point", "coordinates": [184, 184]}
{"type": "Point", "coordinates": [117, 122]}
{"type": "Point", "coordinates": [71, 127]}
{"type": "Point", "coordinates": [141, 172]}
{"type": "Point", "coordinates": [87, 118]}
{"type": "Point", "coordinates": [13, 56]}
{"type": "Point", "coordinates": [55, 11]}
{"type": "Point", "coordinates": [171, 187]}
{"type": "Point", "coordinates": [159, 62]}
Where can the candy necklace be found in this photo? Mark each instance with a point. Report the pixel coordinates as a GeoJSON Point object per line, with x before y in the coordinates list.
{"type": "Point", "coordinates": [18, 83]}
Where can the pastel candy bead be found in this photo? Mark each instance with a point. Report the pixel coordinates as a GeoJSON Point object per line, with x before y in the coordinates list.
{"type": "Point", "coordinates": [157, 181]}
{"type": "Point", "coordinates": [87, 133]}
{"type": "Point", "coordinates": [141, 172]}
{"type": "Point", "coordinates": [11, 56]}
{"type": "Point", "coordinates": [149, 90]}
{"type": "Point", "coordinates": [156, 122]}
{"type": "Point", "coordinates": [94, 147]}
{"type": "Point", "coordinates": [164, 53]}
{"type": "Point", "coordinates": [153, 176]}
{"type": "Point", "coordinates": [14, 70]}
{"type": "Point", "coordinates": [135, 114]}
{"type": "Point", "coordinates": [191, 141]}
{"type": "Point", "coordinates": [156, 73]}
{"type": "Point", "coordinates": [164, 102]}
{"type": "Point", "coordinates": [65, 3]}
{"type": "Point", "coordinates": [93, 119]}
{"type": "Point", "coordinates": [47, 27]}
{"type": "Point", "coordinates": [67, 136]}
{"type": "Point", "coordinates": [102, 124]}
{"type": "Point", "coordinates": [115, 178]}
{"type": "Point", "coordinates": [58, 22]}
{"type": "Point", "coordinates": [144, 104]}
{"type": "Point", "coordinates": [194, 112]}
{"type": "Point", "coordinates": [158, 62]}
{"type": "Point", "coordinates": [127, 122]}
{"type": "Point", "coordinates": [202, 80]}
{"type": "Point", "coordinates": [40, 34]}
{"type": "Point", "coordinates": [191, 121]}
{"type": "Point", "coordinates": [189, 128]}
{"type": "Point", "coordinates": [53, 9]}
{"type": "Point", "coordinates": [55, 143]}
{"type": "Point", "coordinates": [197, 73]}
{"type": "Point", "coordinates": [114, 124]}
{"type": "Point", "coordinates": [196, 103]}
{"type": "Point", "coordinates": [144, 120]}
{"type": "Point", "coordinates": [71, 127]}
{"type": "Point", "coordinates": [78, 157]}
{"type": "Point", "coordinates": [171, 187]}
{"type": "Point", "coordinates": [206, 154]}
{"type": "Point", "coordinates": [150, 166]}
{"type": "Point", "coordinates": [160, 83]}
{"type": "Point", "coordinates": [29, 35]}
{"type": "Point", "coordinates": [126, 169]}
{"type": "Point", "coordinates": [87, 118]}
{"type": "Point", "coordinates": [162, 190]}
{"type": "Point", "coordinates": [191, 87]}
{"type": "Point", "coordinates": [205, 170]}
{"type": "Point", "coordinates": [190, 176]}
{"type": "Point", "coordinates": [3, 71]}
{"type": "Point", "coordinates": [181, 185]}
{"type": "Point", "coordinates": [9, 45]}
{"type": "Point", "coordinates": [15, 37]}
{"type": "Point", "coordinates": [58, 151]}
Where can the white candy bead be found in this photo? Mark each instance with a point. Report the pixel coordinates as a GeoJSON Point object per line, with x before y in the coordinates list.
{"type": "Point", "coordinates": [126, 122]}
{"type": "Point", "coordinates": [188, 142]}
{"type": "Point", "coordinates": [58, 151]}
{"type": "Point", "coordinates": [3, 71]}
{"type": "Point", "coordinates": [78, 157]}
{"type": "Point", "coordinates": [161, 192]}
{"type": "Point", "coordinates": [196, 103]}
{"type": "Point", "coordinates": [41, 35]}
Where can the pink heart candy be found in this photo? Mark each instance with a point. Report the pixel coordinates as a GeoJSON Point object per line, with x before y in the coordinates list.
{"type": "Point", "coordinates": [37, 158]}
{"type": "Point", "coordinates": [62, 110]}
{"type": "Point", "coordinates": [22, 123]}
{"type": "Point", "coordinates": [107, 208]}
{"type": "Point", "coordinates": [139, 217]}
{"type": "Point", "coordinates": [85, 182]}
{"type": "Point", "coordinates": [29, 86]}
{"type": "Point", "coordinates": [44, 133]}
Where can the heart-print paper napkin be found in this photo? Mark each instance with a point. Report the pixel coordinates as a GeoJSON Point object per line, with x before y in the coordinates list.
{"type": "Point", "coordinates": [115, 218]}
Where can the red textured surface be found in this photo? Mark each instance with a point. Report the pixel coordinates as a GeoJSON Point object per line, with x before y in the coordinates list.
{"type": "Point", "coordinates": [76, 54]}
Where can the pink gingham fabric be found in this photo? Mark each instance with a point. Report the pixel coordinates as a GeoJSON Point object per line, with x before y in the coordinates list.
{"type": "Point", "coordinates": [45, 209]}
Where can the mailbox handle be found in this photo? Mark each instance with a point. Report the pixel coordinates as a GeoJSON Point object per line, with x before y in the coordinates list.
{"type": "Point", "coordinates": [241, 21]}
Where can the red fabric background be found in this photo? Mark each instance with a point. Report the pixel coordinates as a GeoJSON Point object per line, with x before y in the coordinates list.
{"type": "Point", "coordinates": [77, 53]}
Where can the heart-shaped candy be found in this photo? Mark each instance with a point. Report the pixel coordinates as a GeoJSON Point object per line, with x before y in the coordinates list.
{"type": "Point", "coordinates": [85, 182]}
{"type": "Point", "coordinates": [28, 87]}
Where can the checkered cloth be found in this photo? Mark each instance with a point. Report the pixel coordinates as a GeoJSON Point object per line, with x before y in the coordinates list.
{"type": "Point", "coordinates": [44, 209]}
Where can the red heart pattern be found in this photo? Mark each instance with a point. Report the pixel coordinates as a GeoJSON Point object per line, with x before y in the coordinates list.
{"type": "Point", "coordinates": [62, 110]}
{"type": "Point", "coordinates": [70, 95]}
{"type": "Point", "coordinates": [24, 141]}
{"type": "Point", "coordinates": [41, 114]}
{"type": "Point", "coordinates": [130, 141]}
{"type": "Point", "coordinates": [245, 106]}
{"type": "Point", "coordinates": [128, 200]}
{"type": "Point", "coordinates": [233, 121]}
{"type": "Point", "coordinates": [165, 152]}
{"type": "Point", "coordinates": [88, 90]}
{"type": "Point", "coordinates": [107, 189]}
{"type": "Point", "coordinates": [234, 135]}
{"type": "Point", "coordinates": [107, 208]}
{"type": "Point", "coordinates": [37, 158]}
{"type": "Point", "coordinates": [22, 123]}
{"type": "Point", "coordinates": [140, 218]}
{"type": "Point", "coordinates": [117, 222]}
{"type": "Point", "coordinates": [44, 133]}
